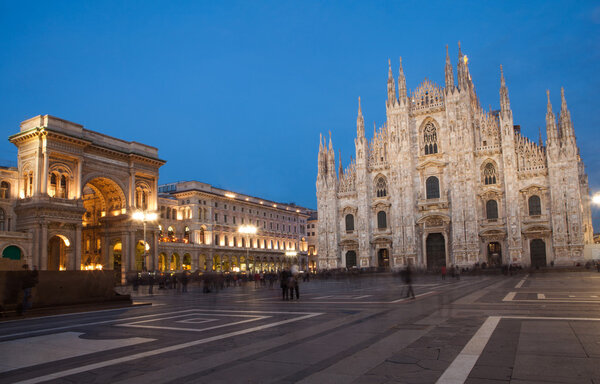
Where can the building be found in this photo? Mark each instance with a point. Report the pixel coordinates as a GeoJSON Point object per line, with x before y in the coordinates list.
{"type": "Point", "coordinates": [68, 204]}
{"type": "Point", "coordinates": [312, 239]}
{"type": "Point", "coordinates": [205, 228]}
{"type": "Point", "coordinates": [79, 199]}
{"type": "Point", "coordinates": [445, 182]}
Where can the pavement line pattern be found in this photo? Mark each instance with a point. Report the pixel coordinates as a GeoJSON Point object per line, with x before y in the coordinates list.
{"type": "Point", "coordinates": [171, 348]}
{"type": "Point", "coordinates": [28, 333]}
{"type": "Point", "coordinates": [520, 283]}
{"type": "Point", "coordinates": [460, 368]}
{"type": "Point", "coordinates": [509, 296]}
{"type": "Point", "coordinates": [58, 346]}
{"type": "Point", "coordinates": [137, 324]}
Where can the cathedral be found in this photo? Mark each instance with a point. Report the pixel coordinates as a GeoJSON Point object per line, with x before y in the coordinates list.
{"type": "Point", "coordinates": [444, 182]}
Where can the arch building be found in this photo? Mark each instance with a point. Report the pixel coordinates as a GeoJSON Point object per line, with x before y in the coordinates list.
{"type": "Point", "coordinates": [445, 182]}
{"type": "Point", "coordinates": [69, 203]}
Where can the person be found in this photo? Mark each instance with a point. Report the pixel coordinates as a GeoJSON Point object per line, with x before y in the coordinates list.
{"type": "Point", "coordinates": [408, 280]}
{"type": "Point", "coordinates": [293, 286]}
{"type": "Point", "coordinates": [284, 284]}
{"type": "Point", "coordinates": [30, 280]}
{"type": "Point", "coordinates": [443, 272]}
{"type": "Point", "coordinates": [184, 281]}
{"type": "Point", "coordinates": [457, 272]}
{"type": "Point", "coordinates": [151, 282]}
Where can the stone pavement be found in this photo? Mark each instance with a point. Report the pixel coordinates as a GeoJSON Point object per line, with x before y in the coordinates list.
{"type": "Point", "coordinates": [540, 328]}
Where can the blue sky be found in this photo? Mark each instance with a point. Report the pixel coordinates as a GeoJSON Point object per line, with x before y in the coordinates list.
{"type": "Point", "coordinates": [236, 93]}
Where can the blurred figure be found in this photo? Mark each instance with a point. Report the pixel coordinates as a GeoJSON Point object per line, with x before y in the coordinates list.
{"type": "Point", "coordinates": [293, 283]}
{"type": "Point", "coordinates": [408, 278]}
{"type": "Point", "coordinates": [284, 284]}
{"type": "Point", "coordinates": [30, 280]}
{"type": "Point", "coordinates": [443, 272]}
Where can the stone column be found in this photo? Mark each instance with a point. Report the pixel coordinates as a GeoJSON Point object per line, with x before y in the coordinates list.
{"type": "Point", "coordinates": [77, 248]}
{"type": "Point", "coordinates": [79, 179]}
{"type": "Point", "coordinates": [43, 247]}
{"type": "Point", "coordinates": [154, 250]}
{"type": "Point", "coordinates": [44, 175]}
{"type": "Point", "coordinates": [131, 251]}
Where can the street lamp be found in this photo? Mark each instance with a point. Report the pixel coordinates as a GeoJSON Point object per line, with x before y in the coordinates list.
{"type": "Point", "coordinates": [145, 216]}
{"type": "Point", "coordinates": [248, 230]}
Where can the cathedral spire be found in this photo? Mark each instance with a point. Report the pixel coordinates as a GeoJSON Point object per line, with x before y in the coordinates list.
{"type": "Point", "coordinates": [360, 122]}
{"type": "Point", "coordinates": [391, 86]}
{"type": "Point", "coordinates": [461, 71]}
{"type": "Point", "coordinates": [340, 169]}
{"type": "Point", "coordinates": [504, 100]}
{"type": "Point", "coordinates": [565, 125]}
{"type": "Point", "coordinates": [540, 142]}
{"type": "Point", "coordinates": [401, 82]}
{"type": "Point", "coordinates": [551, 133]}
{"type": "Point", "coordinates": [449, 72]}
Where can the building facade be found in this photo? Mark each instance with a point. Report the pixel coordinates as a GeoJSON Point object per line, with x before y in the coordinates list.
{"type": "Point", "coordinates": [68, 204]}
{"type": "Point", "coordinates": [205, 228]}
{"type": "Point", "coordinates": [446, 182]}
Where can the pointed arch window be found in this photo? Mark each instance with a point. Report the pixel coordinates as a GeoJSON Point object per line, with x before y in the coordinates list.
{"type": "Point", "coordinates": [535, 206]}
{"type": "Point", "coordinates": [491, 209]}
{"type": "Point", "coordinates": [381, 220]}
{"type": "Point", "coordinates": [381, 187]}
{"type": "Point", "coordinates": [432, 187]}
{"type": "Point", "coordinates": [349, 223]}
{"type": "Point", "coordinates": [489, 174]}
{"type": "Point", "coordinates": [430, 139]}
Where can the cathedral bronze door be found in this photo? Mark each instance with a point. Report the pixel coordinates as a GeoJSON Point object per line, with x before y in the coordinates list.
{"type": "Point", "coordinates": [494, 254]}
{"type": "Point", "coordinates": [383, 258]}
{"type": "Point", "coordinates": [436, 251]}
{"type": "Point", "coordinates": [350, 259]}
{"type": "Point", "coordinates": [537, 250]}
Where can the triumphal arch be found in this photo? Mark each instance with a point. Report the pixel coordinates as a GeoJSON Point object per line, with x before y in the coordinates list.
{"type": "Point", "coordinates": [78, 191]}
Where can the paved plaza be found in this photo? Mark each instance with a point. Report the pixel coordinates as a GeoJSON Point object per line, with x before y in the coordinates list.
{"type": "Point", "coordinates": [526, 328]}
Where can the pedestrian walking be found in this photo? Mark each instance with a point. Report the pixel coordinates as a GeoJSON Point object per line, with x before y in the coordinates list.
{"type": "Point", "coordinates": [443, 272]}
{"type": "Point", "coordinates": [151, 283]}
{"type": "Point", "coordinates": [29, 280]}
{"type": "Point", "coordinates": [408, 278]}
{"type": "Point", "coordinates": [284, 284]}
{"type": "Point", "coordinates": [293, 286]}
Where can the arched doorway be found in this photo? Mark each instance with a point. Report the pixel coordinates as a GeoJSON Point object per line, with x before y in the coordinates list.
{"type": "Point", "coordinates": [102, 199]}
{"type": "Point", "coordinates": [436, 251]}
{"type": "Point", "coordinates": [494, 254]}
{"type": "Point", "coordinates": [383, 258]}
{"type": "Point", "coordinates": [175, 262]}
{"type": "Point", "coordinates": [350, 259]}
{"type": "Point", "coordinates": [162, 262]}
{"type": "Point", "coordinates": [187, 262]}
{"type": "Point", "coordinates": [537, 250]}
{"type": "Point", "coordinates": [57, 254]}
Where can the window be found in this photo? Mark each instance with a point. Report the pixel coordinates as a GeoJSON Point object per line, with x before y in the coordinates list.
{"type": "Point", "coordinates": [170, 232]}
{"type": "Point", "coordinates": [201, 235]}
{"type": "Point", "coordinates": [432, 186]}
{"type": "Point", "coordinates": [381, 220]}
{"type": "Point", "coordinates": [535, 206]}
{"type": "Point", "coordinates": [381, 187]}
{"type": "Point", "coordinates": [216, 217]}
{"type": "Point", "coordinates": [2, 220]}
{"type": "Point", "coordinates": [349, 223]}
{"type": "Point", "coordinates": [430, 139]}
{"type": "Point", "coordinates": [4, 190]}
{"type": "Point", "coordinates": [226, 240]}
{"type": "Point", "coordinates": [491, 209]}
{"type": "Point", "coordinates": [186, 234]}
{"type": "Point", "coordinates": [217, 240]}
{"type": "Point", "coordinates": [224, 218]}
{"type": "Point", "coordinates": [489, 174]}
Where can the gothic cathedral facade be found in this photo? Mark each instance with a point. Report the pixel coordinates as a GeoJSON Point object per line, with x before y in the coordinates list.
{"type": "Point", "coordinates": [444, 182]}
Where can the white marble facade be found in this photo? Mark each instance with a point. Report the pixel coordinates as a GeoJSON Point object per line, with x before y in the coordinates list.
{"type": "Point", "coordinates": [445, 182]}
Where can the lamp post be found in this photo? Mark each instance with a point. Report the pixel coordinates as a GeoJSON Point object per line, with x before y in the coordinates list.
{"type": "Point", "coordinates": [248, 230]}
{"type": "Point", "coordinates": [145, 216]}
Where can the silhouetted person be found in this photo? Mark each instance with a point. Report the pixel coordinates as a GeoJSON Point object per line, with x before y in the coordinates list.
{"type": "Point", "coordinates": [30, 280]}
{"type": "Point", "coordinates": [408, 278]}
{"type": "Point", "coordinates": [284, 284]}
{"type": "Point", "coordinates": [443, 272]}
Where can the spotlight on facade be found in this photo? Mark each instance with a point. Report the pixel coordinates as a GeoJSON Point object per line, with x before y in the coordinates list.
{"type": "Point", "coordinates": [596, 198]}
{"type": "Point", "coordinates": [247, 229]}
